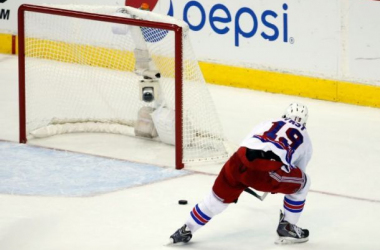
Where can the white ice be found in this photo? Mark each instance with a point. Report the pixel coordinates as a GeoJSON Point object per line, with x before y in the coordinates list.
{"type": "Point", "coordinates": [342, 210]}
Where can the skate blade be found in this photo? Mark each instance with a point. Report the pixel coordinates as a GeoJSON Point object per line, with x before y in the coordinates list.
{"type": "Point", "coordinates": [289, 241]}
{"type": "Point", "coordinates": [169, 242]}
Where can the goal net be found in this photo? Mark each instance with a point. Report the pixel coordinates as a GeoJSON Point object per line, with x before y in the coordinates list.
{"type": "Point", "coordinates": [115, 69]}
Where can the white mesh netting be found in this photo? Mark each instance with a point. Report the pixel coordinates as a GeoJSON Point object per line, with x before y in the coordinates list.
{"type": "Point", "coordinates": [80, 77]}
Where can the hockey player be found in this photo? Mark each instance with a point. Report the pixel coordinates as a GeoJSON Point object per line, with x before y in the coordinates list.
{"type": "Point", "coordinates": [272, 158]}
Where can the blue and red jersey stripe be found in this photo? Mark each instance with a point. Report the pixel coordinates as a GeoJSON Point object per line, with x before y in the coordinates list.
{"type": "Point", "coordinates": [279, 145]}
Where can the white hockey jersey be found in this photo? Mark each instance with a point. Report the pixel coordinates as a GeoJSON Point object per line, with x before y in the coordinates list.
{"type": "Point", "coordinates": [286, 138]}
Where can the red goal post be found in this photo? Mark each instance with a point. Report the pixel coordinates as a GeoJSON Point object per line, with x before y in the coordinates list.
{"type": "Point", "coordinates": [178, 66]}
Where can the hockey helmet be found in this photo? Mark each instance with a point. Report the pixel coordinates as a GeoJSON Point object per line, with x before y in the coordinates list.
{"type": "Point", "coordinates": [297, 112]}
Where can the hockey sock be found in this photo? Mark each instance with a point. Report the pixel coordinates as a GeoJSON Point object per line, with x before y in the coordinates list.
{"type": "Point", "coordinates": [293, 210]}
{"type": "Point", "coordinates": [294, 203]}
{"type": "Point", "coordinates": [204, 211]}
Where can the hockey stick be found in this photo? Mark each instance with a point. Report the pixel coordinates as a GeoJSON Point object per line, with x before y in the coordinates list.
{"type": "Point", "coordinates": [260, 197]}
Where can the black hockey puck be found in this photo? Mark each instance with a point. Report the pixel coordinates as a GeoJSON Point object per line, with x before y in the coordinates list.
{"type": "Point", "coordinates": [182, 202]}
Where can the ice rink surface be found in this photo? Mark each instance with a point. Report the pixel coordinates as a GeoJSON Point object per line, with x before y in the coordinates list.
{"type": "Point", "coordinates": [45, 205]}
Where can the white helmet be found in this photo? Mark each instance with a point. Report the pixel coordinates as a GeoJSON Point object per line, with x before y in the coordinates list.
{"type": "Point", "coordinates": [297, 112]}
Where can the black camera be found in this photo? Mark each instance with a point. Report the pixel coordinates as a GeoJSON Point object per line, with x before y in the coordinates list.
{"type": "Point", "coordinates": [148, 94]}
{"type": "Point", "coordinates": [149, 90]}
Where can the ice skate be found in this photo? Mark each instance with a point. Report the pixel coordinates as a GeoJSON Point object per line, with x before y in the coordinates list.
{"type": "Point", "coordinates": [289, 233]}
{"type": "Point", "coordinates": [181, 235]}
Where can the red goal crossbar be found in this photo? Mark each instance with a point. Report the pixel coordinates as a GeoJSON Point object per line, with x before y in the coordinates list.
{"type": "Point", "coordinates": [111, 19]}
